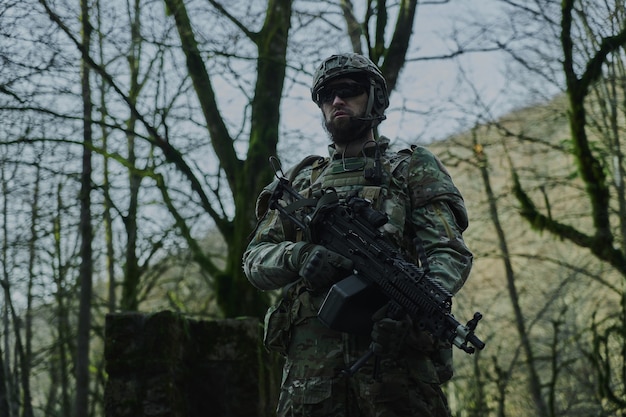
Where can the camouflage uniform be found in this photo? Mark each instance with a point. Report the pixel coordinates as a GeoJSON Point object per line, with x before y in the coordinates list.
{"type": "Point", "coordinates": [420, 199]}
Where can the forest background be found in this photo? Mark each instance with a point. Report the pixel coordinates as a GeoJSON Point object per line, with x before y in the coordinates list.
{"type": "Point", "coordinates": [136, 134]}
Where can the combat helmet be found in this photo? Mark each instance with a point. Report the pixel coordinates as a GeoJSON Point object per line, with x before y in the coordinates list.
{"type": "Point", "coordinates": [353, 65]}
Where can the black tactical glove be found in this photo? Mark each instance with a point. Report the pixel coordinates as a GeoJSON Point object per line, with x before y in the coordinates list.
{"type": "Point", "coordinates": [319, 266]}
{"type": "Point", "coordinates": [389, 335]}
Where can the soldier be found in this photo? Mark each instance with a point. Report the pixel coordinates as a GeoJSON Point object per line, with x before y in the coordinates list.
{"type": "Point", "coordinates": [420, 199]}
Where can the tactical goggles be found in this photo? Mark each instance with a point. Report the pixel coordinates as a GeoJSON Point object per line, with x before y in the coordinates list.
{"type": "Point", "coordinates": [327, 93]}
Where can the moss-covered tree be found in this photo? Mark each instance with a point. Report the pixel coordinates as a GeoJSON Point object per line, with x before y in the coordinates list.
{"type": "Point", "coordinates": [246, 177]}
{"type": "Point", "coordinates": [593, 72]}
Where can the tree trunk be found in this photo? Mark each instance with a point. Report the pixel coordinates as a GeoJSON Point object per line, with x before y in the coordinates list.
{"type": "Point", "coordinates": [6, 390]}
{"type": "Point", "coordinates": [81, 404]}
{"type": "Point", "coordinates": [28, 324]}
{"type": "Point", "coordinates": [234, 294]}
{"type": "Point", "coordinates": [533, 375]}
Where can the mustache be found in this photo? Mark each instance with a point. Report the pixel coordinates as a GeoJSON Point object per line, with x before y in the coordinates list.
{"type": "Point", "coordinates": [341, 112]}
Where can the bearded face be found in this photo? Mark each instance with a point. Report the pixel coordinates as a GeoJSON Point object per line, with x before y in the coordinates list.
{"type": "Point", "coordinates": [345, 130]}
{"type": "Point", "coordinates": [343, 102]}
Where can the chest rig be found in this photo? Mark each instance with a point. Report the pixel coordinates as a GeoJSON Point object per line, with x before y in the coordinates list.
{"type": "Point", "coordinates": [380, 179]}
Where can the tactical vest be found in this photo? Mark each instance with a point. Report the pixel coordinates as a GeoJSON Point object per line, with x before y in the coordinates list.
{"type": "Point", "coordinates": [355, 177]}
{"type": "Point", "coordinates": [389, 193]}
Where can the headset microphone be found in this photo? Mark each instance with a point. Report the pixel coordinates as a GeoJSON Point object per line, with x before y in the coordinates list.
{"type": "Point", "coordinates": [371, 118]}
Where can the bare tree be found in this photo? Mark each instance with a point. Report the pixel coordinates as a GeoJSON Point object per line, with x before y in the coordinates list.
{"type": "Point", "coordinates": [579, 51]}
{"type": "Point", "coordinates": [174, 157]}
{"type": "Point", "coordinates": [271, 47]}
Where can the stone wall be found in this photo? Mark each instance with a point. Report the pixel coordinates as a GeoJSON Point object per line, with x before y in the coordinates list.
{"type": "Point", "coordinates": [167, 365]}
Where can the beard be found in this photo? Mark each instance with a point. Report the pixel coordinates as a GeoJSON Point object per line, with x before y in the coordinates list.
{"type": "Point", "coordinates": [348, 130]}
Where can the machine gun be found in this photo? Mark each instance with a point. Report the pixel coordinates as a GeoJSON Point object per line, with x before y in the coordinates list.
{"type": "Point", "coordinates": [381, 275]}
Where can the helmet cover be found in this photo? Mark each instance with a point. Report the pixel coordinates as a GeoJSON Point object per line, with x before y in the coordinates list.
{"type": "Point", "coordinates": [355, 66]}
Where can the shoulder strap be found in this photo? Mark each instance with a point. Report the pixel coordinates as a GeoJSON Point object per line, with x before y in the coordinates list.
{"type": "Point", "coordinates": [318, 168]}
{"type": "Point", "coordinates": [312, 160]}
{"type": "Point", "coordinates": [317, 163]}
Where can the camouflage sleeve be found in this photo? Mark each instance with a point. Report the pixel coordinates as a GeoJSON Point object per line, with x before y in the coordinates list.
{"type": "Point", "coordinates": [439, 216]}
{"type": "Point", "coordinates": [266, 261]}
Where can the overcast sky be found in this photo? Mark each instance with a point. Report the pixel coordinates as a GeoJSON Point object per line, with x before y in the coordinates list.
{"type": "Point", "coordinates": [433, 91]}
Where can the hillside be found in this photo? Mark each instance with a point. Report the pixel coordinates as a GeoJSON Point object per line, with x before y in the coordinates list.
{"type": "Point", "coordinates": [558, 290]}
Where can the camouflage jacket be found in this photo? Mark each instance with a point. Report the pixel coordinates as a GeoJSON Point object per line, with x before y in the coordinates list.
{"type": "Point", "coordinates": [415, 191]}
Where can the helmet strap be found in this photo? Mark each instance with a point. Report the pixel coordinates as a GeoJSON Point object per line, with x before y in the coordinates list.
{"type": "Point", "coordinates": [370, 100]}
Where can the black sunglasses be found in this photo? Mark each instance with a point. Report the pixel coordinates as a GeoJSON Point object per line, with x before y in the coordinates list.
{"type": "Point", "coordinates": [326, 94]}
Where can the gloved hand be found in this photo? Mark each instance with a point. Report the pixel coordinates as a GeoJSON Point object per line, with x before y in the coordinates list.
{"type": "Point", "coordinates": [319, 266]}
{"type": "Point", "coordinates": [389, 335]}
